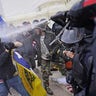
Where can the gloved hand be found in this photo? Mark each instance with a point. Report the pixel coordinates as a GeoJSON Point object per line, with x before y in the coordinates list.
{"type": "Point", "coordinates": [13, 45]}
{"type": "Point", "coordinates": [9, 46]}
{"type": "Point", "coordinates": [59, 15]}
{"type": "Point", "coordinates": [60, 18]}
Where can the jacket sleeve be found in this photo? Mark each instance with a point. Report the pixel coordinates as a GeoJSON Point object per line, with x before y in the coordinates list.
{"type": "Point", "coordinates": [3, 57]}
{"type": "Point", "coordinates": [78, 69]}
{"type": "Point", "coordinates": [77, 65]}
{"type": "Point", "coordinates": [76, 58]}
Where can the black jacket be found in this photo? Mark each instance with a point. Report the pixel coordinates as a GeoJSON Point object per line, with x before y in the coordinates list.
{"type": "Point", "coordinates": [82, 70]}
{"type": "Point", "coordinates": [7, 69]}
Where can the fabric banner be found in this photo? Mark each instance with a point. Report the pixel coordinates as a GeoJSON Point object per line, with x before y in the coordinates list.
{"type": "Point", "coordinates": [30, 80]}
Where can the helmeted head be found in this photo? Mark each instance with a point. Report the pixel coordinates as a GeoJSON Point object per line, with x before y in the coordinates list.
{"type": "Point", "coordinates": [35, 21]}
{"type": "Point", "coordinates": [73, 35]}
{"type": "Point", "coordinates": [42, 25]}
{"type": "Point", "coordinates": [26, 23]}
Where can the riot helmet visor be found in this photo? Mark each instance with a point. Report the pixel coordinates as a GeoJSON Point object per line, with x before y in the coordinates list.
{"type": "Point", "coordinates": [73, 35]}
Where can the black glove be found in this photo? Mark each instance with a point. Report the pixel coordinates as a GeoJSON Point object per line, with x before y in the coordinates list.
{"type": "Point", "coordinates": [9, 46]}
{"type": "Point", "coordinates": [60, 18]}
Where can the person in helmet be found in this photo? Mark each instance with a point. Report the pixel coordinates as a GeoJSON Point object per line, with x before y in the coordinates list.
{"type": "Point", "coordinates": [82, 15]}
{"type": "Point", "coordinates": [81, 59]}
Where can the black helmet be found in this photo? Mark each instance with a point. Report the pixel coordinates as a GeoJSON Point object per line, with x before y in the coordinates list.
{"type": "Point", "coordinates": [73, 35]}
{"type": "Point", "coordinates": [35, 21]}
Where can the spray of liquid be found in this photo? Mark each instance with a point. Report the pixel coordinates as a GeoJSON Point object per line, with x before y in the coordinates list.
{"type": "Point", "coordinates": [10, 34]}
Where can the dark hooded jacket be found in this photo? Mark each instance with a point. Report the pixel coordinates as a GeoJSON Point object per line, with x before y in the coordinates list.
{"type": "Point", "coordinates": [7, 69]}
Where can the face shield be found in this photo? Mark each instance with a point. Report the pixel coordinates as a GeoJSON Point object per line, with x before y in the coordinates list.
{"type": "Point", "coordinates": [71, 36]}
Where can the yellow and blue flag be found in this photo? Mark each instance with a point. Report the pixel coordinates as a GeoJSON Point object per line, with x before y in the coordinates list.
{"type": "Point", "coordinates": [30, 80]}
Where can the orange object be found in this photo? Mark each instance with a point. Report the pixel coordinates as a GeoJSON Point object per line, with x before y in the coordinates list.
{"type": "Point", "coordinates": [68, 65]}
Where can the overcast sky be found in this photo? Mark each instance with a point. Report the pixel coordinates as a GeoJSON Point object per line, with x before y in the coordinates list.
{"type": "Point", "coordinates": [19, 7]}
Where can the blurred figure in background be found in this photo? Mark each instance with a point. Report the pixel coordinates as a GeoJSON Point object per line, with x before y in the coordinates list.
{"type": "Point", "coordinates": [27, 50]}
{"type": "Point", "coordinates": [35, 21]}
